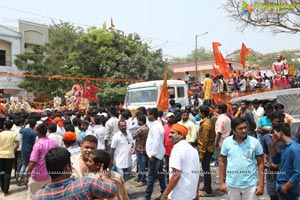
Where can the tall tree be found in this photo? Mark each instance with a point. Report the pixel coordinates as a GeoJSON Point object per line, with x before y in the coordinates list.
{"type": "Point", "coordinates": [202, 54]}
{"type": "Point", "coordinates": [279, 16]}
{"type": "Point", "coordinates": [111, 54]}
{"type": "Point", "coordinates": [98, 53]}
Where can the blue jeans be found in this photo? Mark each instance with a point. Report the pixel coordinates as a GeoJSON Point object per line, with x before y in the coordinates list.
{"type": "Point", "coordinates": [121, 171]}
{"type": "Point", "coordinates": [108, 148]}
{"type": "Point", "coordinates": [167, 161]}
{"type": "Point", "coordinates": [207, 102]}
{"type": "Point", "coordinates": [141, 161]}
{"type": "Point", "coordinates": [25, 161]}
{"type": "Point", "coordinates": [155, 170]}
{"type": "Point", "coordinates": [288, 196]}
{"type": "Point", "coordinates": [260, 138]}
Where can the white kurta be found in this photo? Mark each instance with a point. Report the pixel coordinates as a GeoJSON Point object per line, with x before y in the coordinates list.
{"type": "Point", "coordinates": [122, 156]}
{"type": "Point", "coordinates": [186, 159]}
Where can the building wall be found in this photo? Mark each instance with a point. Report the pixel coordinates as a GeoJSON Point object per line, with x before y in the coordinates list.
{"type": "Point", "coordinates": [14, 42]}
{"type": "Point", "coordinates": [6, 46]}
{"type": "Point", "coordinates": [203, 68]}
{"type": "Point", "coordinates": [33, 34]}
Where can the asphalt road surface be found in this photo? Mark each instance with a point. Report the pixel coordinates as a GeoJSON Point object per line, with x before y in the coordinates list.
{"type": "Point", "coordinates": [135, 193]}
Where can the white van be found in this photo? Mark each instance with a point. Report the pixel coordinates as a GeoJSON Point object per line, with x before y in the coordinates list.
{"type": "Point", "coordinates": [147, 93]}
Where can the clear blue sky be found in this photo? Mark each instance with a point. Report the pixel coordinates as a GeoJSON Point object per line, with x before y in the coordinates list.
{"type": "Point", "coordinates": [167, 24]}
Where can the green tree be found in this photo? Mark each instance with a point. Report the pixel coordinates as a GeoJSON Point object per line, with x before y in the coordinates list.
{"type": "Point", "coordinates": [98, 53]}
{"type": "Point", "coordinates": [202, 54]}
{"type": "Point", "coordinates": [111, 54]}
{"type": "Point", "coordinates": [50, 59]}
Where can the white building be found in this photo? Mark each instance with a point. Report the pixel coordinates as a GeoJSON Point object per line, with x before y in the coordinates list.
{"type": "Point", "coordinates": [14, 41]}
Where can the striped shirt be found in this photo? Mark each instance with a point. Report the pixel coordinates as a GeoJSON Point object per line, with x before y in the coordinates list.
{"type": "Point", "coordinates": [83, 188]}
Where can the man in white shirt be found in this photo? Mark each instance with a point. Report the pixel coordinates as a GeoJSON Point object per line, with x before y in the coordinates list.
{"type": "Point", "coordinates": [18, 121]}
{"type": "Point", "coordinates": [121, 150]}
{"type": "Point", "coordinates": [54, 135]}
{"type": "Point", "coordinates": [111, 126]}
{"type": "Point", "coordinates": [267, 83]}
{"type": "Point", "coordinates": [155, 150]}
{"type": "Point", "coordinates": [99, 131]}
{"type": "Point", "coordinates": [243, 84]}
{"type": "Point", "coordinates": [70, 143]}
{"type": "Point", "coordinates": [252, 83]}
{"type": "Point", "coordinates": [184, 167]}
{"type": "Point", "coordinates": [258, 111]}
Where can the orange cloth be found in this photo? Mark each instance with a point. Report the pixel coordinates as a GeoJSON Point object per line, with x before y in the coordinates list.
{"type": "Point", "coordinates": [220, 61]}
{"type": "Point", "coordinates": [243, 54]}
{"type": "Point", "coordinates": [59, 122]}
{"type": "Point", "coordinates": [216, 72]}
{"type": "Point", "coordinates": [163, 97]}
{"type": "Point", "coordinates": [237, 114]}
{"type": "Point", "coordinates": [180, 128]}
{"type": "Point", "coordinates": [69, 136]}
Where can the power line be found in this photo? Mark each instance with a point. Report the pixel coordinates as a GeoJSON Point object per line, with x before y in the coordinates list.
{"type": "Point", "coordinates": [153, 38]}
{"type": "Point", "coordinates": [145, 38]}
{"type": "Point", "coordinates": [39, 15]}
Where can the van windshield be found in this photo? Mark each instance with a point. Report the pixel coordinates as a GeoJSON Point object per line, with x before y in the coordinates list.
{"type": "Point", "coordinates": [142, 95]}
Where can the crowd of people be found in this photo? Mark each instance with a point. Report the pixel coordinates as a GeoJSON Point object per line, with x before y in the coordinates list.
{"type": "Point", "coordinates": [58, 154]}
{"type": "Point", "coordinates": [278, 77]}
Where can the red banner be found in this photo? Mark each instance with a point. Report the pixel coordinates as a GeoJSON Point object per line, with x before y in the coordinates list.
{"type": "Point", "coordinates": [89, 91]}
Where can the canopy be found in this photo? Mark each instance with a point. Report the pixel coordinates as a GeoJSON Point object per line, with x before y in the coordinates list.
{"type": "Point", "coordinates": [290, 98]}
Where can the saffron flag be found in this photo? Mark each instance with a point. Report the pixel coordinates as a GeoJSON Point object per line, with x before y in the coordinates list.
{"type": "Point", "coordinates": [216, 72]}
{"type": "Point", "coordinates": [112, 25]}
{"type": "Point", "coordinates": [243, 54]}
{"type": "Point", "coordinates": [89, 91]}
{"type": "Point", "coordinates": [163, 102]}
{"type": "Point", "coordinates": [220, 61]}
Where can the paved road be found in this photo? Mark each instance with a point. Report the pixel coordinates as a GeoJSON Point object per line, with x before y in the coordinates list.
{"type": "Point", "coordinates": [135, 193]}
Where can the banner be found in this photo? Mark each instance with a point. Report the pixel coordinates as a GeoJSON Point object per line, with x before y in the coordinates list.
{"type": "Point", "coordinates": [163, 102]}
{"type": "Point", "coordinates": [216, 72]}
{"type": "Point", "coordinates": [244, 52]}
{"type": "Point", "coordinates": [89, 91]}
{"type": "Point", "coordinates": [220, 61]}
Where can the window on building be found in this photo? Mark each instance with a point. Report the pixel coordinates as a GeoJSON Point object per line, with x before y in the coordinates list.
{"type": "Point", "coordinates": [2, 58]}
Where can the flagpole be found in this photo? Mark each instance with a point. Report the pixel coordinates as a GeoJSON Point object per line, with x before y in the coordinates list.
{"type": "Point", "coordinates": [196, 52]}
{"type": "Point", "coordinates": [112, 27]}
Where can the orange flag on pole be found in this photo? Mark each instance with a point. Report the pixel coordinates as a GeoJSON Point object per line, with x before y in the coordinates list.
{"type": "Point", "coordinates": [163, 102]}
{"type": "Point", "coordinates": [220, 61]}
{"type": "Point", "coordinates": [112, 25]}
{"type": "Point", "coordinates": [243, 54]}
{"type": "Point", "coordinates": [216, 72]}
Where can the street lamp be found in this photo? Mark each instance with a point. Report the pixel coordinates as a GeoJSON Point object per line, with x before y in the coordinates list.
{"type": "Point", "coordinates": [196, 37]}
